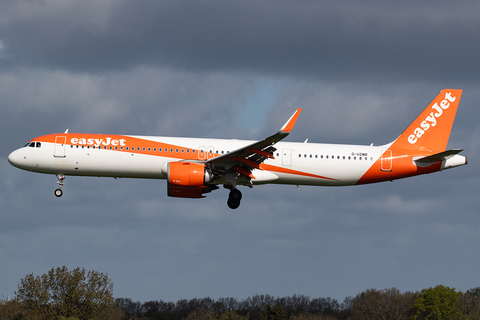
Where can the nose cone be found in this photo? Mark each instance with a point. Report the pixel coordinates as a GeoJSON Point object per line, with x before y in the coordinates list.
{"type": "Point", "coordinates": [15, 158]}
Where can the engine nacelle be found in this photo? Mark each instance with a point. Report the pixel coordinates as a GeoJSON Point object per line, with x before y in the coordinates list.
{"type": "Point", "coordinates": [186, 179]}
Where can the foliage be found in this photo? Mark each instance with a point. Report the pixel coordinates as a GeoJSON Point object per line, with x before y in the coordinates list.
{"type": "Point", "coordinates": [273, 313]}
{"type": "Point", "coordinates": [469, 304]}
{"type": "Point", "coordinates": [77, 295]}
{"type": "Point", "coordinates": [62, 293]}
{"type": "Point", "coordinates": [382, 304]}
{"type": "Point", "coordinates": [439, 303]}
{"type": "Point", "coordinates": [11, 310]}
{"type": "Point", "coordinates": [306, 316]}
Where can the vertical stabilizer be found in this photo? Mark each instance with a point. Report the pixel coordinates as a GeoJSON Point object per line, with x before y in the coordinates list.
{"type": "Point", "coordinates": [431, 129]}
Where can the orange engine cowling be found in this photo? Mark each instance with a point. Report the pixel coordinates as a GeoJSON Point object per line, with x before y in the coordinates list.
{"type": "Point", "coordinates": [186, 179]}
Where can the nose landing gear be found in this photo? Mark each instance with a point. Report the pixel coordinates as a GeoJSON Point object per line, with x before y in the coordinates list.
{"type": "Point", "coordinates": [61, 181]}
{"type": "Point", "coordinates": [234, 198]}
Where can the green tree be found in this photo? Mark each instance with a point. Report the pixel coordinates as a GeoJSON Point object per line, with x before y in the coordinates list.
{"type": "Point", "coordinates": [439, 303]}
{"type": "Point", "coordinates": [230, 315]}
{"type": "Point", "coordinates": [62, 293]}
{"type": "Point", "coordinates": [201, 314]}
{"type": "Point", "coordinates": [273, 313]}
{"type": "Point", "coordinates": [11, 310]}
{"type": "Point", "coordinates": [309, 316]}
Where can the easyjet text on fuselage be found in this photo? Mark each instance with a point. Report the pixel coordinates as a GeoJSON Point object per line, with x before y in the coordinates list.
{"type": "Point", "coordinates": [107, 141]}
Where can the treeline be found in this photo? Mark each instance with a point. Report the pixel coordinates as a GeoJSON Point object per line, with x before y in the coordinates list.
{"type": "Point", "coordinates": [250, 308]}
{"type": "Point", "coordinates": [434, 303]}
{"type": "Point", "coordinates": [62, 294]}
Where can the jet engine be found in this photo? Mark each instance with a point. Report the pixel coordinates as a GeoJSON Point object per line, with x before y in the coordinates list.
{"type": "Point", "coordinates": [187, 179]}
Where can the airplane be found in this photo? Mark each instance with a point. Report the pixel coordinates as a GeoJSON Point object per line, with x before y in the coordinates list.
{"type": "Point", "coordinates": [196, 166]}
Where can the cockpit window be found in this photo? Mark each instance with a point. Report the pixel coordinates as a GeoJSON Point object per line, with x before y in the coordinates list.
{"type": "Point", "coordinates": [33, 145]}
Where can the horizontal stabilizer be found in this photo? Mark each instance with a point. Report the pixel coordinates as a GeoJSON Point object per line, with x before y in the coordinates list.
{"type": "Point", "coordinates": [441, 156]}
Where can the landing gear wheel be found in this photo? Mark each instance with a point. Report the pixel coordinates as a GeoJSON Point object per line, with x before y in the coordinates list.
{"type": "Point", "coordinates": [235, 195]}
{"type": "Point", "coordinates": [232, 204]}
{"type": "Point", "coordinates": [61, 181]}
{"type": "Point", "coordinates": [58, 193]}
{"type": "Point", "coordinates": [234, 198]}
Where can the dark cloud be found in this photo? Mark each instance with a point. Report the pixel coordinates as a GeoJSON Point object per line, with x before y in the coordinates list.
{"type": "Point", "coordinates": [352, 40]}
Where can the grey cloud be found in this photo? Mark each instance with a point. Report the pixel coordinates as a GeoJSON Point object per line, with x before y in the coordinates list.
{"type": "Point", "coordinates": [360, 41]}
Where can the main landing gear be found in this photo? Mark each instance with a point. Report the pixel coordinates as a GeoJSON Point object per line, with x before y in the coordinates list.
{"type": "Point", "coordinates": [234, 198]}
{"type": "Point", "coordinates": [61, 181]}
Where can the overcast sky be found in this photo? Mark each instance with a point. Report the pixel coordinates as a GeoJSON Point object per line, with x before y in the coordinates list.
{"type": "Point", "coordinates": [361, 71]}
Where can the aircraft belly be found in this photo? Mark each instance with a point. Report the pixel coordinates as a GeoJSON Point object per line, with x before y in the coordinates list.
{"type": "Point", "coordinates": [104, 163]}
{"type": "Point", "coordinates": [121, 165]}
{"type": "Point", "coordinates": [326, 175]}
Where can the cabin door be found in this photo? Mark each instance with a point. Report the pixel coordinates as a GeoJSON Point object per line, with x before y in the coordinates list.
{"type": "Point", "coordinates": [59, 149]}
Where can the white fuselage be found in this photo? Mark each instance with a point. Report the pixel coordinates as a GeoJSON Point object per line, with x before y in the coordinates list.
{"type": "Point", "coordinates": [337, 164]}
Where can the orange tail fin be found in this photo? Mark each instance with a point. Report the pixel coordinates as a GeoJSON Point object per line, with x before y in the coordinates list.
{"type": "Point", "coordinates": [431, 129]}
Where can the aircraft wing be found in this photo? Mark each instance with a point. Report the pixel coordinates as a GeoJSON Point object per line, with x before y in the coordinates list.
{"type": "Point", "coordinates": [245, 159]}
